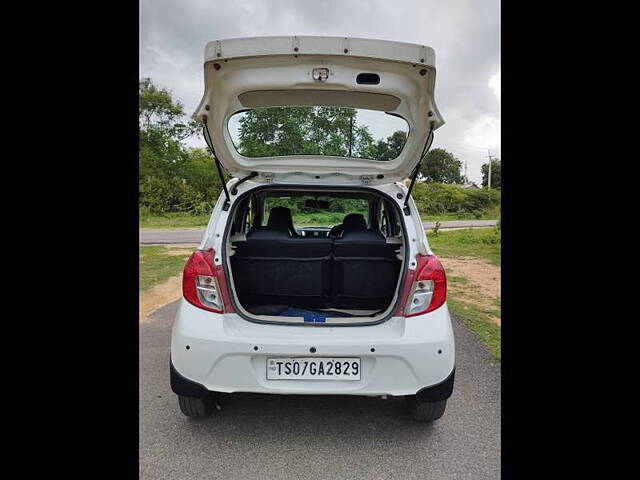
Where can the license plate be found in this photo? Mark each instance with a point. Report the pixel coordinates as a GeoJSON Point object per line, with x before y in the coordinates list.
{"type": "Point", "coordinates": [316, 368]}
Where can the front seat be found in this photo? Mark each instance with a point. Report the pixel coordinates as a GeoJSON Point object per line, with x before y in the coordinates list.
{"type": "Point", "coordinates": [280, 219]}
{"type": "Point", "coordinates": [354, 222]}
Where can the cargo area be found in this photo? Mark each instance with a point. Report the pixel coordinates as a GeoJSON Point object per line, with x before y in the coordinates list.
{"type": "Point", "coordinates": [315, 257]}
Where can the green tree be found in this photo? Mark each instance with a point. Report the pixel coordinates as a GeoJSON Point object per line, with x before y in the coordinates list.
{"type": "Point", "coordinates": [173, 178]}
{"type": "Point", "coordinates": [277, 131]}
{"type": "Point", "coordinates": [391, 148]}
{"type": "Point", "coordinates": [495, 173]}
{"type": "Point", "coordinates": [161, 131]}
{"type": "Point", "coordinates": [157, 111]}
{"type": "Point", "coordinates": [441, 166]}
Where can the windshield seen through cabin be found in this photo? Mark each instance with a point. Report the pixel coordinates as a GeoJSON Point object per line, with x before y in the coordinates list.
{"type": "Point", "coordinates": [304, 216]}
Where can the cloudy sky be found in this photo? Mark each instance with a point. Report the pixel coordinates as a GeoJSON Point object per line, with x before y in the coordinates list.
{"type": "Point", "coordinates": [465, 35]}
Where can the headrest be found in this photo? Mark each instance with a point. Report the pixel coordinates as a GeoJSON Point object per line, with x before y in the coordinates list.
{"type": "Point", "coordinates": [280, 219]}
{"type": "Point", "coordinates": [354, 221]}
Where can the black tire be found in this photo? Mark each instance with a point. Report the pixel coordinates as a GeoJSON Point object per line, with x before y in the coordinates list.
{"type": "Point", "coordinates": [425, 411]}
{"type": "Point", "coordinates": [196, 407]}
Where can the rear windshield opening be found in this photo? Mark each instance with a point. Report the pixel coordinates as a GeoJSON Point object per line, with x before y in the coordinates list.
{"type": "Point", "coordinates": [318, 130]}
{"type": "Point", "coordinates": [326, 258]}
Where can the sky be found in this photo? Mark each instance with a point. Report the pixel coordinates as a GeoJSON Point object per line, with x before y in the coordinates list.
{"type": "Point", "coordinates": [465, 35]}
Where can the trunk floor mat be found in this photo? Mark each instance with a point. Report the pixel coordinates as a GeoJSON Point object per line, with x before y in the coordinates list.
{"type": "Point", "coordinates": [310, 316]}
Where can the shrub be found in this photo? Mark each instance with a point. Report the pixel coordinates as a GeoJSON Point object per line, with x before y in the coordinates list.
{"type": "Point", "coordinates": [159, 195]}
{"type": "Point", "coordinates": [478, 236]}
{"type": "Point", "coordinates": [201, 208]}
{"type": "Point", "coordinates": [438, 198]}
{"type": "Point", "coordinates": [144, 212]}
{"type": "Point", "coordinates": [478, 200]}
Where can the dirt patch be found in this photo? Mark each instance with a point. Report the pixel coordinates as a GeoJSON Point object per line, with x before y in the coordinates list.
{"type": "Point", "coordinates": [482, 282]}
{"type": "Point", "coordinates": [168, 291]}
{"type": "Point", "coordinates": [159, 295]}
{"type": "Point", "coordinates": [479, 272]}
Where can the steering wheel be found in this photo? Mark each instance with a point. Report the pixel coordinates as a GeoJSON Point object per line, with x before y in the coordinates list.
{"type": "Point", "coordinates": [335, 231]}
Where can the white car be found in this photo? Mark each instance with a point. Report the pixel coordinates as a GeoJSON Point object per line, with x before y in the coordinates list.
{"type": "Point", "coordinates": [314, 275]}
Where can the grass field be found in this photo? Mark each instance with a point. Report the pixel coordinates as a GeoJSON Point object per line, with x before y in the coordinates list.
{"type": "Point", "coordinates": [159, 263]}
{"type": "Point", "coordinates": [478, 242]}
{"type": "Point", "coordinates": [462, 298]}
{"type": "Point", "coordinates": [174, 220]}
{"type": "Point", "coordinates": [477, 318]}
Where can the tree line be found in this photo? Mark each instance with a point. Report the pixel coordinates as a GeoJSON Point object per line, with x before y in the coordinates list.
{"type": "Point", "coordinates": [177, 178]}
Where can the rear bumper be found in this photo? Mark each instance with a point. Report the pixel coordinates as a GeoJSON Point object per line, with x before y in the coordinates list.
{"type": "Point", "coordinates": [229, 354]}
{"type": "Point", "coordinates": [183, 386]}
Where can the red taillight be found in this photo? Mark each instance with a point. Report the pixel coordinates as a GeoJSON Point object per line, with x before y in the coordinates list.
{"type": "Point", "coordinates": [427, 290]}
{"type": "Point", "coordinates": [203, 283]}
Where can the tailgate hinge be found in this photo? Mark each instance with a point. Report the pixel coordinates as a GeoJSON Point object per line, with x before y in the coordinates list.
{"type": "Point", "coordinates": [218, 48]}
{"type": "Point", "coordinates": [268, 176]}
{"type": "Point", "coordinates": [366, 179]}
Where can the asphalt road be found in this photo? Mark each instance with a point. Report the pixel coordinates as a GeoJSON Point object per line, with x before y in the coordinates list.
{"type": "Point", "coordinates": [194, 235]}
{"type": "Point", "coordinates": [318, 437]}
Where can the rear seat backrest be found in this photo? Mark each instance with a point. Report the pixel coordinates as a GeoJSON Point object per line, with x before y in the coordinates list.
{"type": "Point", "coordinates": [358, 241]}
{"type": "Point", "coordinates": [265, 242]}
{"type": "Point", "coordinates": [365, 270]}
{"type": "Point", "coordinates": [274, 267]}
{"type": "Point", "coordinates": [359, 270]}
{"type": "Point", "coordinates": [368, 243]}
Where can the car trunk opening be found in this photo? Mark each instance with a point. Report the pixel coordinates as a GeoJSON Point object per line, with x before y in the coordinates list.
{"type": "Point", "coordinates": [322, 257]}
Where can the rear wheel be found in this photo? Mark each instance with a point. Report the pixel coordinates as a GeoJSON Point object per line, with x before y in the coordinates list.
{"type": "Point", "coordinates": [196, 407]}
{"type": "Point", "coordinates": [425, 411]}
